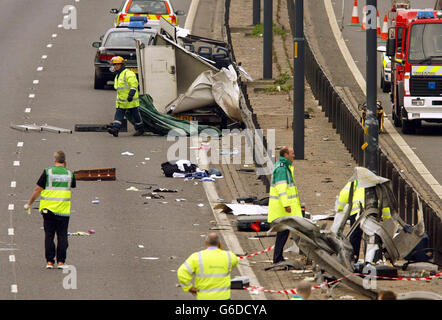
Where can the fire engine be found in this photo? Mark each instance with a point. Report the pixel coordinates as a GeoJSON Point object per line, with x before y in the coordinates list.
{"type": "Point", "coordinates": [415, 48]}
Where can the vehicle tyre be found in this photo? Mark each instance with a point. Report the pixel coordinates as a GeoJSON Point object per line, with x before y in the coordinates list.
{"type": "Point", "coordinates": [98, 82]}
{"type": "Point", "coordinates": [386, 86]}
{"type": "Point", "coordinates": [397, 122]}
{"type": "Point", "coordinates": [408, 126]}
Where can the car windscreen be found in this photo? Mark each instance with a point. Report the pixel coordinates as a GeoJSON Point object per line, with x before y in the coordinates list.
{"type": "Point", "coordinates": [425, 42]}
{"type": "Point", "coordinates": [148, 6]}
{"type": "Point", "coordinates": [126, 39]}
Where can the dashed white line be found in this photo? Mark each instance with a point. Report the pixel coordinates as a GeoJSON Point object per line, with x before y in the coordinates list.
{"type": "Point", "coordinates": [54, 35]}
{"type": "Point", "coordinates": [28, 110]}
{"type": "Point", "coordinates": [40, 69]}
{"type": "Point", "coordinates": [11, 207]}
{"type": "Point", "coordinates": [35, 81]}
{"type": "Point", "coordinates": [10, 231]}
{"type": "Point", "coordinates": [20, 144]}
{"type": "Point", "coordinates": [11, 258]}
{"type": "Point", "coordinates": [13, 184]}
{"type": "Point", "coordinates": [49, 45]}
{"type": "Point", "coordinates": [14, 288]}
{"type": "Point", "coordinates": [60, 26]}
{"type": "Point", "coordinates": [16, 163]}
{"type": "Point", "coordinates": [31, 95]}
{"type": "Point", "coordinates": [44, 57]}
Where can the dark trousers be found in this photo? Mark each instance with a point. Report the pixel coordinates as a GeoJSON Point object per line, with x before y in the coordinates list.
{"type": "Point", "coordinates": [55, 224]}
{"type": "Point", "coordinates": [134, 112]}
{"type": "Point", "coordinates": [281, 239]}
{"type": "Point", "coordinates": [355, 237]}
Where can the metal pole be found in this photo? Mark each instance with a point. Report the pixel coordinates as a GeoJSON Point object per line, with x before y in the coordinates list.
{"type": "Point", "coordinates": [268, 40]}
{"type": "Point", "coordinates": [256, 12]}
{"type": "Point", "coordinates": [298, 81]}
{"type": "Point", "coordinates": [372, 137]}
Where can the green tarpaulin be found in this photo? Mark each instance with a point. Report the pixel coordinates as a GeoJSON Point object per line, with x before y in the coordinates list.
{"type": "Point", "coordinates": [161, 124]}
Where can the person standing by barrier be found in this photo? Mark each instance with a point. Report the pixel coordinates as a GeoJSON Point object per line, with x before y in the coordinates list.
{"type": "Point", "coordinates": [283, 198]}
{"type": "Point", "coordinates": [54, 187]}
{"type": "Point", "coordinates": [211, 269]}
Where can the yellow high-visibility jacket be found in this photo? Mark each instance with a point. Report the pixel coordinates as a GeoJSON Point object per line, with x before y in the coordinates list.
{"type": "Point", "coordinates": [124, 82]}
{"type": "Point", "coordinates": [283, 192]}
{"type": "Point", "coordinates": [210, 269]}
{"type": "Point", "coordinates": [56, 196]}
{"type": "Point", "coordinates": [358, 197]}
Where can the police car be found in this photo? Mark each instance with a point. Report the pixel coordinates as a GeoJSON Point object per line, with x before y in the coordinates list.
{"type": "Point", "coordinates": [152, 9]}
{"type": "Point", "coordinates": [385, 70]}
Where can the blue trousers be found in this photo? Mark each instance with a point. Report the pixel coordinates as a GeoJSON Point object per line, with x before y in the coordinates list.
{"type": "Point", "coordinates": [119, 116]}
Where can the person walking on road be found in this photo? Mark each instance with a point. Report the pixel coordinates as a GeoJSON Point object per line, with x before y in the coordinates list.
{"type": "Point", "coordinates": [126, 84]}
{"type": "Point", "coordinates": [211, 269]}
{"type": "Point", "coordinates": [54, 187]}
{"type": "Point", "coordinates": [283, 198]}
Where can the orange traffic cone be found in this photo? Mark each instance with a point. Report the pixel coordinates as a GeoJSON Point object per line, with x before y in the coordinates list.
{"type": "Point", "coordinates": [364, 19]}
{"type": "Point", "coordinates": [355, 16]}
{"type": "Point", "coordinates": [378, 24]}
{"type": "Point", "coordinates": [384, 32]}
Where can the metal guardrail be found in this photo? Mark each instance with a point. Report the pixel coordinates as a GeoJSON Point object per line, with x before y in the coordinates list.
{"type": "Point", "coordinates": [348, 126]}
{"type": "Point", "coordinates": [245, 105]}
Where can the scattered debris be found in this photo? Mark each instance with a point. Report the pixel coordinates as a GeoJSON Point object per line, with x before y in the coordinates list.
{"type": "Point", "coordinates": [201, 205]}
{"type": "Point", "coordinates": [127, 153]}
{"type": "Point", "coordinates": [147, 159]}
{"type": "Point", "coordinates": [149, 258]}
{"type": "Point", "coordinates": [91, 231]}
{"type": "Point", "coordinates": [95, 201]}
{"type": "Point", "coordinates": [180, 200]}
{"type": "Point", "coordinates": [78, 233]}
{"type": "Point", "coordinates": [327, 180]}
{"type": "Point", "coordinates": [140, 246]}
{"type": "Point", "coordinates": [242, 209]}
{"type": "Point", "coordinates": [102, 174]}
{"type": "Point", "coordinates": [164, 190]}
{"type": "Point", "coordinates": [132, 188]}
{"type": "Point", "coordinates": [347, 298]}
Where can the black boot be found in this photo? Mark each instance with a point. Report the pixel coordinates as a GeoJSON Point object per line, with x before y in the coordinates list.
{"type": "Point", "coordinates": [139, 132]}
{"type": "Point", "coordinates": [113, 131]}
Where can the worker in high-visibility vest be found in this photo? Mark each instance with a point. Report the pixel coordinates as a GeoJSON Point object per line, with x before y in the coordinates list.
{"type": "Point", "coordinates": [126, 84]}
{"type": "Point", "coordinates": [357, 202]}
{"type": "Point", "coordinates": [210, 269]}
{"type": "Point", "coordinates": [54, 187]}
{"type": "Point", "coordinates": [283, 198]}
{"type": "Point", "coordinates": [303, 291]}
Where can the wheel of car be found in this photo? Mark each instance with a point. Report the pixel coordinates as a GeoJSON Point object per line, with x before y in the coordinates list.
{"type": "Point", "coordinates": [408, 126]}
{"type": "Point", "coordinates": [98, 82]}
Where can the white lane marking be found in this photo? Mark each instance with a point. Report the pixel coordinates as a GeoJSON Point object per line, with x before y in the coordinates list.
{"type": "Point", "coordinates": [28, 110]}
{"type": "Point", "coordinates": [13, 184]}
{"type": "Point", "coordinates": [10, 231]}
{"type": "Point", "coordinates": [14, 288]}
{"type": "Point", "coordinates": [49, 45]}
{"type": "Point", "coordinates": [60, 26]}
{"type": "Point", "coordinates": [397, 138]}
{"type": "Point", "coordinates": [54, 35]}
{"type": "Point", "coordinates": [20, 144]}
{"type": "Point", "coordinates": [16, 163]}
{"type": "Point", "coordinates": [228, 235]}
{"type": "Point", "coordinates": [40, 69]}
{"type": "Point", "coordinates": [191, 15]}
{"type": "Point", "coordinates": [31, 95]}
{"type": "Point", "coordinates": [44, 57]}
{"type": "Point", "coordinates": [11, 258]}
{"type": "Point", "coordinates": [11, 207]}
{"type": "Point", "coordinates": [35, 81]}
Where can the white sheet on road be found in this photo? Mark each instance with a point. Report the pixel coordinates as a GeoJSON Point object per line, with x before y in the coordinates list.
{"type": "Point", "coordinates": [242, 209]}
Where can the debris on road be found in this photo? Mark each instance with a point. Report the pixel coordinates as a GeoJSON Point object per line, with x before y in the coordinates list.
{"type": "Point", "coordinates": [164, 190]}
{"type": "Point", "coordinates": [132, 188]}
{"type": "Point", "coordinates": [127, 153]}
{"type": "Point", "coordinates": [104, 174]}
{"type": "Point", "coordinates": [242, 209]}
{"type": "Point", "coordinates": [78, 233]}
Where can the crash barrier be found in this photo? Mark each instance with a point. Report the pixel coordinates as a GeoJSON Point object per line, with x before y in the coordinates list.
{"type": "Point", "coordinates": [249, 116]}
{"type": "Point", "coordinates": [324, 285]}
{"type": "Point", "coordinates": [257, 253]}
{"type": "Point", "coordinates": [346, 122]}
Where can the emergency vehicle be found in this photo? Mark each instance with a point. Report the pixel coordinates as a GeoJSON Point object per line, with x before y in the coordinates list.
{"type": "Point", "coordinates": [415, 49]}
